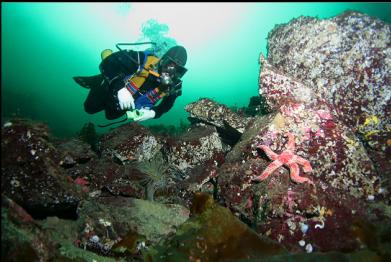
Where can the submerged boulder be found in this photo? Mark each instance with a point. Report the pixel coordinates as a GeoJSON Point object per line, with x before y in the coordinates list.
{"type": "Point", "coordinates": [336, 155]}
{"type": "Point", "coordinates": [118, 225]}
{"type": "Point", "coordinates": [21, 238]}
{"type": "Point", "coordinates": [345, 60]}
{"type": "Point", "coordinates": [198, 145]}
{"type": "Point", "coordinates": [213, 234]}
{"type": "Point", "coordinates": [230, 125]}
{"type": "Point", "coordinates": [32, 174]}
{"type": "Point", "coordinates": [344, 176]}
{"type": "Point", "coordinates": [74, 151]}
{"type": "Point", "coordinates": [130, 143]}
{"type": "Point", "coordinates": [104, 176]}
{"type": "Point", "coordinates": [335, 189]}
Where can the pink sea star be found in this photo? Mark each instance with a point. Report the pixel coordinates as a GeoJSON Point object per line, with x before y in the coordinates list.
{"type": "Point", "coordinates": [287, 158]}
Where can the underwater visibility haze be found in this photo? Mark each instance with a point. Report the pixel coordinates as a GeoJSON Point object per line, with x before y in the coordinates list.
{"type": "Point", "coordinates": [45, 44]}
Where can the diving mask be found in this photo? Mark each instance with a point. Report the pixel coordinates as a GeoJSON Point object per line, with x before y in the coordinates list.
{"type": "Point", "coordinates": [171, 68]}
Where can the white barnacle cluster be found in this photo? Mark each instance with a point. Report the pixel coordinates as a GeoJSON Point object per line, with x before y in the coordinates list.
{"type": "Point", "coordinates": [148, 148]}
{"type": "Point", "coordinates": [7, 124]}
{"type": "Point", "coordinates": [308, 247]}
{"type": "Point", "coordinates": [302, 93]}
{"type": "Point", "coordinates": [104, 222]}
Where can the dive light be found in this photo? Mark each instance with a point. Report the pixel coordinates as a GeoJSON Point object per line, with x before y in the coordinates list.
{"type": "Point", "coordinates": [133, 114]}
{"type": "Point", "coordinates": [130, 115]}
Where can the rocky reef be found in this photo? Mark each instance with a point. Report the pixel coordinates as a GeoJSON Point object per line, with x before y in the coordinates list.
{"type": "Point", "coordinates": [345, 61]}
{"type": "Point", "coordinates": [308, 177]}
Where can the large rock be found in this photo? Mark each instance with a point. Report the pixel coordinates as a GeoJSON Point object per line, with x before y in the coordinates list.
{"type": "Point", "coordinates": [343, 175]}
{"type": "Point", "coordinates": [21, 238]}
{"type": "Point", "coordinates": [198, 145]}
{"type": "Point", "coordinates": [51, 239]}
{"type": "Point", "coordinates": [31, 171]}
{"type": "Point", "coordinates": [118, 224]}
{"type": "Point", "coordinates": [346, 60]}
{"type": "Point", "coordinates": [74, 152]}
{"type": "Point", "coordinates": [333, 150]}
{"type": "Point", "coordinates": [130, 142]}
{"type": "Point", "coordinates": [229, 124]}
{"type": "Point", "coordinates": [101, 176]}
{"type": "Point", "coordinates": [213, 234]}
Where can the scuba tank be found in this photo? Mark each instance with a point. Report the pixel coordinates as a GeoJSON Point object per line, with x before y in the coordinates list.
{"type": "Point", "coordinates": [105, 53]}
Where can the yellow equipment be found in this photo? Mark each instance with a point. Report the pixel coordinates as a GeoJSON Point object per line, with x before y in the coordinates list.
{"type": "Point", "coordinates": [105, 53]}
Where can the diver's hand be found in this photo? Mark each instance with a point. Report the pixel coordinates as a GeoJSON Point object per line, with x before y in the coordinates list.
{"type": "Point", "coordinates": [144, 114]}
{"type": "Point", "coordinates": [125, 99]}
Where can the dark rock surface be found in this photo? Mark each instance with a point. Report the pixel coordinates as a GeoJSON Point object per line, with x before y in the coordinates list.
{"type": "Point", "coordinates": [213, 233]}
{"type": "Point", "coordinates": [130, 142]}
{"type": "Point", "coordinates": [230, 125]}
{"type": "Point", "coordinates": [198, 145]}
{"type": "Point", "coordinates": [31, 171]}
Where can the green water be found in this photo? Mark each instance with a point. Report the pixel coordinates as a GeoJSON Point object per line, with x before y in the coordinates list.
{"type": "Point", "coordinates": [45, 44]}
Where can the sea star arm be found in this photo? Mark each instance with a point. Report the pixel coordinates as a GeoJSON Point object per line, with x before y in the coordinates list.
{"type": "Point", "coordinates": [269, 152]}
{"type": "Point", "coordinates": [294, 173]}
{"type": "Point", "coordinates": [304, 162]}
{"type": "Point", "coordinates": [269, 170]}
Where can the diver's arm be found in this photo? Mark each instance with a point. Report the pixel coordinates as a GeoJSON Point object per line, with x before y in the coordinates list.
{"type": "Point", "coordinates": [166, 104]}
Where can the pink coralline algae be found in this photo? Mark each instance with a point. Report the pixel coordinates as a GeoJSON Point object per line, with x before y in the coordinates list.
{"type": "Point", "coordinates": [287, 158]}
{"type": "Point", "coordinates": [81, 181]}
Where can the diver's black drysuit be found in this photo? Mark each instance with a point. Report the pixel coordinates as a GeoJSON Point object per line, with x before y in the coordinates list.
{"type": "Point", "coordinates": [104, 87]}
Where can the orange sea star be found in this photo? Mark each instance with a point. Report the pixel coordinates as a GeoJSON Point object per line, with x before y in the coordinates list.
{"type": "Point", "coordinates": [287, 158]}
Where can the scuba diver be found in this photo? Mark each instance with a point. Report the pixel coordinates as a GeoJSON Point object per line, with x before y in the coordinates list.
{"type": "Point", "coordinates": [135, 83]}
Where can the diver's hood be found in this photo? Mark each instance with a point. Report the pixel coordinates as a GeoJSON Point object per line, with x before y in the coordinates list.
{"type": "Point", "coordinates": [177, 55]}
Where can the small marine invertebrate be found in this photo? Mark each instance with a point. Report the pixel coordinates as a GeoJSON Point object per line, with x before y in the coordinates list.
{"type": "Point", "coordinates": [287, 158]}
{"type": "Point", "coordinates": [309, 248]}
{"type": "Point", "coordinates": [304, 227]}
{"type": "Point", "coordinates": [89, 135]}
{"type": "Point", "coordinates": [323, 212]}
{"type": "Point", "coordinates": [155, 169]}
{"type": "Point", "coordinates": [321, 225]}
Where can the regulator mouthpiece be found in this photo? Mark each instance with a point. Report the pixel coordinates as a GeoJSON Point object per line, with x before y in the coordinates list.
{"type": "Point", "coordinates": [165, 79]}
